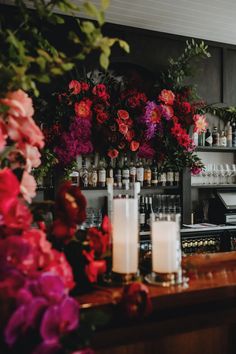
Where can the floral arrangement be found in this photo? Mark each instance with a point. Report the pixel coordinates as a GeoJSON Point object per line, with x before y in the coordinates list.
{"type": "Point", "coordinates": [92, 118]}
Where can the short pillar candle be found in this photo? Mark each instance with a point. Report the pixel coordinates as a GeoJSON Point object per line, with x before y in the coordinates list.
{"type": "Point", "coordinates": [164, 247]}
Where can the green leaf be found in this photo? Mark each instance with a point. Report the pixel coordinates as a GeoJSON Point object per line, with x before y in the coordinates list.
{"type": "Point", "coordinates": [67, 66]}
{"type": "Point", "coordinates": [104, 61]}
{"type": "Point", "coordinates": [87, 27]}
{"type": "Point", "coordinates": [92, 11]}
{"type": "Point", "coordinates": [56, 71]}
{"type": "Point", "coordinates": [124, 45]}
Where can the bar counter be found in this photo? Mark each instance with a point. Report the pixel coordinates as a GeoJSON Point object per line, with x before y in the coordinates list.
{"type": "Point", "coordinates": [193, 319]}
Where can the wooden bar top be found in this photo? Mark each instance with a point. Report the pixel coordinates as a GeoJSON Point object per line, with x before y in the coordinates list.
{"type": "Point", "coordinates": [209, 275]}
{"type": "Point", "coordinates": [192, 319]}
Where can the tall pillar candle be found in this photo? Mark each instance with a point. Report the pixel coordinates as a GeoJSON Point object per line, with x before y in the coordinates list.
{"type": "Point", "coordinates": [125, 236]}
{"type": "Point", "coordinates": [164, 247]}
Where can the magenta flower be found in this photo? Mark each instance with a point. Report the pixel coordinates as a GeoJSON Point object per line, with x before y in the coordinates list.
{"type": "Point", "coordinates": [59, 320]}
{"type": "Point", "coordinates": [146, 151]}
{"type": "Point", "coordinates": [151, 118]}
{"type": "Point", "coordinates": [48, 348]}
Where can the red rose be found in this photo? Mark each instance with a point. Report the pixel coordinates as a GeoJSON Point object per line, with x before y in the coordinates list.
{"type": "Point", "coordinates": [82, 109]}
{"type": "Point", "coordinates": [136, 301]}
{"type": "Point", "coordinates": [122, 114]}
{"type": "Point", "coordinates": [121, 145]}
{"type": "Point", "coordinates": [100, 91]}
{"type": "Point", "coordinates": [134, 145]}
{"type": "Point", "coordinates": [99, 107]}
{"type": "Point", "coordinates": [101, 117]}
{"type": "Point", "coordinates": [129, 136]}
{"type": "Point", "coordinates": [84, 86]}
{"type": "Point", "coordinates": [186, 107]}
{"type": "Point", "coordinates": [70, 205]}
{"type": "Point", "coordinates": [75, 87]}
{"type": "Point", "coordinates": [113, 153]}
{"type": "Point", "coordinates": [167, 97]}
{"type": "Point", "coordinates": [123, 128]}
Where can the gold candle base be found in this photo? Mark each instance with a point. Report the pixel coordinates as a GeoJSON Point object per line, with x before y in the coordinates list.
{"type": "Point", "coordinates": [122, 279]}
{"type": "Point", "coordinates": [167, 279]}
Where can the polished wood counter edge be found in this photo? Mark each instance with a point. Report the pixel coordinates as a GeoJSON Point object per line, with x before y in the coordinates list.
{"type": "Point", "coordinates": [212, 277]}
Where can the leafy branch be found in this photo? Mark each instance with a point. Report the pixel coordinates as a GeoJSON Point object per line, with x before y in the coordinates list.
{"type": "Point", "coordinates": [181, 68]}
{"type": "Point", "coordinates": [27, 57]}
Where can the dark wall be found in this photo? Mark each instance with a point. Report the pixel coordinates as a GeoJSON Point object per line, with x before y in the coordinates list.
{"type": "Point", "coordinates": [215, 77]}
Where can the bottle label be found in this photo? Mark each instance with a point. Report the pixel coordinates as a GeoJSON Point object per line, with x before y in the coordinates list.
{"type": "Point", "coordinates": [170, 176]}
{"type": "Point", "coordinates": [147, 176]}
{"type": "Point", "coordinates": [110, 173]}
{"type": "Point", "coordinates": [223, 141]}
{"type": "Point", "coordinates": [209, 140]}
{"type": "Point", "coordinates": [132, 171]}
{"type": "Point", "coordinates": [163, 177]}
{"type": "Point", "coordinates": [125, 174]}
{"type": "Point", "coordinates": [102, 176]}
{"type": "Point", "coordinates": [142, 219]}
{"type": "Point", "coordinates": [84, 179]}
{"type": "Point", "coordinates": [140, 174]}
{"type": "Point", "coordinates": [176, 176]}
{"type": "Point", "coordinates": [94, 178]}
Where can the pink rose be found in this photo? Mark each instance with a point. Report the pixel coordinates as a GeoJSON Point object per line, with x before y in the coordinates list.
{"type": "Point", "coordinates": [19, 103]}
{"type": "Point", "coordinates": [32, 156]}
{"type": "Point", "coordinates": [28, 187]}
{"type": "Point", "coordinates": [167, 97]}
{"type": "Point", "coordinates": [23, 129]}
{"type": "Point", "coordinates": [134, 145]}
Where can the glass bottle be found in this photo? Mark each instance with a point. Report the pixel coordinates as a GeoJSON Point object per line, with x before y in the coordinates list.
{"type": "Point", "coordinates": [208, 138]}
{"type": "Point", "coordinates": [125, 173]}
{"type": "Point", "coordinates": [117, 175]}
{"type": "Point", "coordinates": [101, 174]}
{"type": "Point", "coordinates": [215, 137]}
{"type": "Point", "coordinates": [109, 173]}
{"type": "Point", "coordinates": [229, 134]}
{"type": "Point", "coordinates": [223, 140]}
{"type": "Point", "coordinates": [93, 175]}
{"type": "Point", "coordinates": [147, 175]}
{"type": "Point", "coordinates": [83, 174]}
{"type": "Point", "coordinates": [132, 171]}
{"type": "Point", "coordinates": [74, 177]}
{"type": "Point", "coordinates": [234, 134]}
{"type": "Point", "coordinates": [142, 214]}
{"type": "Point", "coordinates": [140, 172]}
{"type": "Point", "coordinates": [154, 170]}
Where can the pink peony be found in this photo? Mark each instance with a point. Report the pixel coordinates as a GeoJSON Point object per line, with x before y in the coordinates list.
{"type": "Point", "coordinates": [19, 103]}
{"type": "Point", "coordinates": [28, 187]}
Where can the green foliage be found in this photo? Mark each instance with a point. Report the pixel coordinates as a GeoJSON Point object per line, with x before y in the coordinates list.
{"type": "Point", "coordinates": [27, 57]}
{"type": "Point", "coordinates": [224, 113]}
{"type": "Point", "coordinates": [181, 68]}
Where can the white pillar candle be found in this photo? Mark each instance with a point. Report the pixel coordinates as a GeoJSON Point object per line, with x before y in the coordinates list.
{"type": "Point", "coordinates": [125, 236]}
{"type": "Point", "coordinates": [164, 246]}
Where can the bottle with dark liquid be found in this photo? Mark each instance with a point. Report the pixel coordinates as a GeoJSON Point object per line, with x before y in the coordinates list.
{"type": "Point", "coordinates": [125, 173]}
{"type": "Point", "coordinates": [110, 173]}
{"type": "Point", "coordinates": [117, 175]}
{"type": "Point", "coordinates": [93, 175]}
{"type": "Point", "coordinates": [154, 173]}
{"type": "Point", "coordinates": [101, 174]}
{"type": "Point", "coordinates": [208, 138]}
{"type": "Point", "coordinates": [83, 174]}
{"type": "Point", "coordinates": [147, 175]}
{"type": "Point", "coordinates": [142, 214]}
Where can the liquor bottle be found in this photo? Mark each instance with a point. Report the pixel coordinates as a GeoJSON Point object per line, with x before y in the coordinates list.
{"type": "Point", "coordinates": [142, 214]}
{"type": "Point", "coordinates": [154, 170]}
{"type": "Point", "coordinates": [148, 213]}
{"type": "Point", "coordinates": [208, 138]}
{"type": "Point", "coordinates": [229, 134]}
{"type": "Point", "coordinates": [74, 178]}
{"type": "Point", "coordinates": [125, 173]}
{"type": "Point", "coordinates": [234, 134]}
{"type": "Point", "coordinates": [147, 175]}
{"type": "Point", "coordinates": [163, 178]}
{"type": "Point", "coordinates": [117, 175]}
{"type": "Point", "coordinates": [93, 175]}
{"type": "Point", "coordinates": [223, 140]}
{"type": "Point", "coordinates": [101, 174]}
{"type": "Point", "coordinates": [169, 176]}
{"type": "Point", "coordinates": [195, 138]}
{"type": "Point", "coordinates": [109, 173]}
{"type": "Point", "coordinates": [83, 174]}
{"type": "Point", "coordinates": [215, 137]}
{"type": "Point", "coordinates": [140, 172]}
{"type": "Point", "coordinates": [176, 177]}
{"type": "Point", "coordinates": [132, 172]}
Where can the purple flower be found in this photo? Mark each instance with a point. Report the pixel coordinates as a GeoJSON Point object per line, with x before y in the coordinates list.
{"type": "Point", "coordinates": [59, 319]}
{"type": "Point", "coordinates": [146, 151]}
{"type": "Point", "coordinates": [51, 287]}
{"type": "Point", "coordinates": [151, 118]}
{"type": "Point", "coordinates": [15, 325]}
{"type": "Point", "coordinates": [167, 111]}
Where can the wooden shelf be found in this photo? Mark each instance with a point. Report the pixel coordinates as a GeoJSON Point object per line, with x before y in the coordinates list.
{"type": "Point", "coordinates": [142, 188]}
{"type": "Point", "coordinates": [215, 149]}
